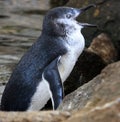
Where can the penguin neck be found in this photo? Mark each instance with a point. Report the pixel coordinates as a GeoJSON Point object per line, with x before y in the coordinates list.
{"type": "Point", "coordinates": [74, 44]}
{"type": "Point", "coordinates": [75, 41]}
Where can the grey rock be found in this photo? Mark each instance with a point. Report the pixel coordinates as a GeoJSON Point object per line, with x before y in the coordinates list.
{"type": "Point", "coordinates": [102, 89]}
{"type": "Point", "coordinates": [46, 116]}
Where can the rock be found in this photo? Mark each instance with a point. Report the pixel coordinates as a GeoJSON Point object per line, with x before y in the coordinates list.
{"type": "Point", "coordinates": [55, 3]}
{"type": "Point", "coordinates": [16, 5]}
{"type": "Point", "coordinates": [102, 89]}
{"type": "Point", "coordinates": [103, 47]}
{"type": "Point", "coordinates": [48, 116]}
{"type": "Point", "coordinates": [100, 53]}
{"type": "Point", "coordinates": [5, 72]}
{"type": "Point", "coordinates": [2, 87]}
{"type": "Point", "coordinates": [106, 113]}
{"type": "Point", "coordinates": [110, 112]}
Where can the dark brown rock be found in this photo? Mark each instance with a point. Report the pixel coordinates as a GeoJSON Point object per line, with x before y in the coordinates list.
{"type": "Point", "coordinates": [55, 3]}
{"type": "Point", "coordinates": [102, 46]}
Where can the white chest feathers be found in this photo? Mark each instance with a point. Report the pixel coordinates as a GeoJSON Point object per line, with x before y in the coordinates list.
{"type": "Point", "coordinates": [75, 46]}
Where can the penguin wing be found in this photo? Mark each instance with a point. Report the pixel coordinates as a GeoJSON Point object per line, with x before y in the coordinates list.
{"type": "Point", "coordinates": [52, 77]}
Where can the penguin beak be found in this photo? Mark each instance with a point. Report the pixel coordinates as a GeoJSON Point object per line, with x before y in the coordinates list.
{"type": "Point", "coordinates": [86, 8]}
{"type": "Point", "coordinates": [87, 25]}
{"type": "Point", "coordinates": [80, 11]}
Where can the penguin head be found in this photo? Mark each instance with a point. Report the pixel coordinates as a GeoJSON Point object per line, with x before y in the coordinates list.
{"type": "Point", "coordinates": [61, 21]}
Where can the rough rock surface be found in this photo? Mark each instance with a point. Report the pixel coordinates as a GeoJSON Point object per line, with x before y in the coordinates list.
{"type": "Point", "coordinates": [102, 46]}
{"type": "Point", "coordinates": [109, 112]}
{"type": "Point", "coordinates": [48, 116]}
{"type": "Point", "coordinates": [55, 3]}
{"type": "Point", "coordinates": [99, 91]}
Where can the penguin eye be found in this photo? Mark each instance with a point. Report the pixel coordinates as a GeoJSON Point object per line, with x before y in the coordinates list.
{"type": "Point", "coordinates": [68, 16]}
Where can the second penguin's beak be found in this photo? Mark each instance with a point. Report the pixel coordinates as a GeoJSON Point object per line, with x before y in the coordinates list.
{"type": "Point", "coordinates": [81, 10]}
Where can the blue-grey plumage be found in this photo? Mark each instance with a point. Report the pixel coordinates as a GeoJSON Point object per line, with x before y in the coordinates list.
{"type": "Point", "coordinates": [53, 81]}
{"type": "Point", "coordinates": [61, 36]}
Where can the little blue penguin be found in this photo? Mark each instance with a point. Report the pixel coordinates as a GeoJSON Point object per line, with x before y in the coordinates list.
{"type": "Point", "coordinates": [40, 73]}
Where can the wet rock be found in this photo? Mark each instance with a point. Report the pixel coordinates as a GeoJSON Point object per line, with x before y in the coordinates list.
{"type": "Point", "coordinates": [48, 116]}
{"type": "Point", "coordinates": [1, 91]}
{"type": "Point", "coordinates": [5, 72]}
{"type": "Point", "coordinates": [55, 3]}
{"type": "Point", "coordinates": [16, 5]}
{"type": "Point", "coordinates": [3, 12]}
{"type": "Point", "coordinates": [18, 31]}
{"type": "Point", "coordinates": [101, 90]}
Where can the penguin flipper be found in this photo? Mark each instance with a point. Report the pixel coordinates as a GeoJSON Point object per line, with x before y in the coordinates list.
{"type": "Point", "coordinates": [52, 77]}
